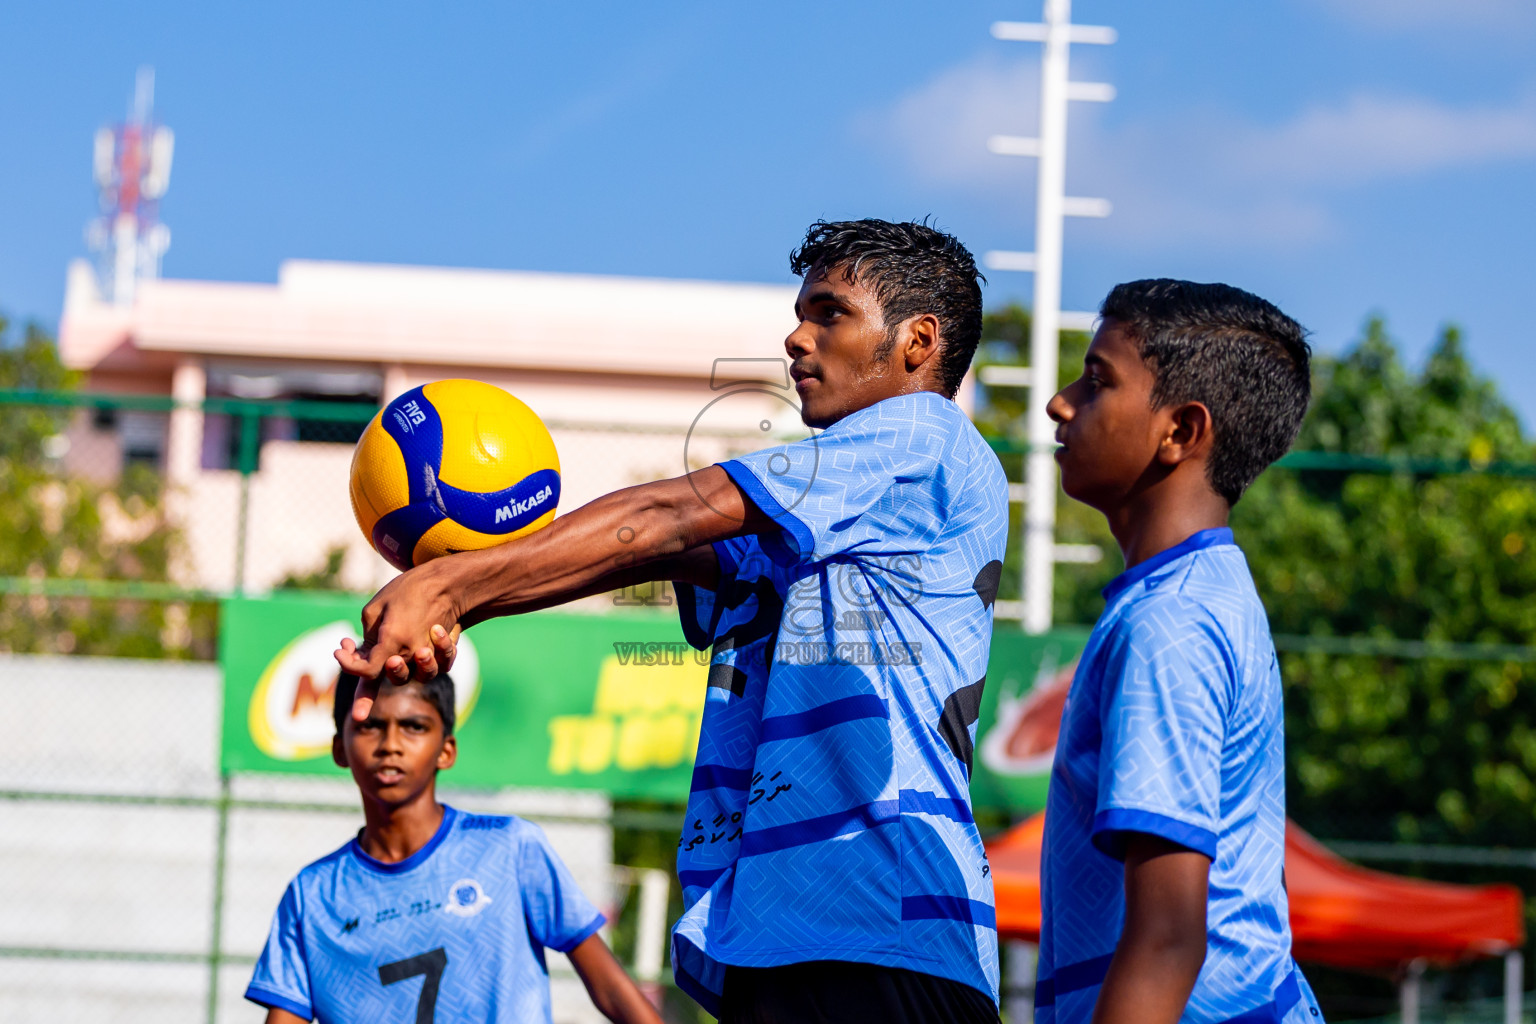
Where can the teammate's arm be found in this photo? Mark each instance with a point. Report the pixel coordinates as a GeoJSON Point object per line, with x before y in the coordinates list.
{"type": "Point", "coordinates": [612, 990]}
{"type": "Point", "coordinates": [1162, 947]}
{"type": "Point", "coordinates": [655, 531]}
{"type": "Point", "coordinates": [276, 1016]}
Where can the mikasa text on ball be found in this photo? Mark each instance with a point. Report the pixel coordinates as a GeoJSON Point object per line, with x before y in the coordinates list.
{"type": "Point", "coordinates": [452, 466]}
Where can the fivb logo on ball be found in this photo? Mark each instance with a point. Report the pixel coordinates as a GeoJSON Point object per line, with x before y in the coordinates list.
{"type": "Point", "coordinates": [290, 714]}
{"type": "Point", "coordinates": [410, 416]}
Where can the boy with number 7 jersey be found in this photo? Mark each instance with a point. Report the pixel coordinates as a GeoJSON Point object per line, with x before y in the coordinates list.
{"type": "Point", "coordinates": [430, 913]}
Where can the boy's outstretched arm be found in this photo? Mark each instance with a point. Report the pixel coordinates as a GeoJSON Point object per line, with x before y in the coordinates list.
{"type": "Point", "coordinates": [612, 990]}
{"type": "Point", "coordinates": [276, 1016]}
{"type": "Point", "coordinates": [1162, 947]}
{"type": "Point", "coordinates": [655, 531]}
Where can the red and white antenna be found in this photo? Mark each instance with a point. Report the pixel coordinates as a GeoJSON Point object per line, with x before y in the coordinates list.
{"type": "Point", "coordinates": [133, 170]}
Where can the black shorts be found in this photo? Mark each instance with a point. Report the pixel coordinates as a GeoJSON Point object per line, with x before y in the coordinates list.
{"type": "Point", "coordinates": [839, 992]}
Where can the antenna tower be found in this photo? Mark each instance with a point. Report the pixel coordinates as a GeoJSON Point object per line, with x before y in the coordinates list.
{"type": "Point", "coordinates": [133, 169]}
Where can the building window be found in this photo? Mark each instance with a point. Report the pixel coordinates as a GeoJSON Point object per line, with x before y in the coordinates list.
{"type": "Point", "coordinates": [336, 431]}
{"type": "Point", "coordinates": [269, 382]}
{"type": "Point", "coordinates": [143, 437]}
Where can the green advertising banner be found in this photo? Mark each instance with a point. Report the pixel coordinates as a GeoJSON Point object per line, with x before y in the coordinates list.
{"type": "Point", "coordinates": [1027, 681]}
{"type": "Point", "coordinates": [610, 702]}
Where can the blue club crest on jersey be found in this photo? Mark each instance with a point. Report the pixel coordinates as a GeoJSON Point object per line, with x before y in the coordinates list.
{"type": "Point", "coordinates": [465, 898]}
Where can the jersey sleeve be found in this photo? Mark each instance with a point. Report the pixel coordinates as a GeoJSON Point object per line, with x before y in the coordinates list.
{"type": "Point", "coordinates": [281, 978]}
{"type": "Point", "coordinates": [700, 608]}
{"type": "Point", "coordinates": [1168, 690]}
{"type": "Point", "coordinates": [559, 915]}
{"type": "Point", "coordinates": [818, 489]}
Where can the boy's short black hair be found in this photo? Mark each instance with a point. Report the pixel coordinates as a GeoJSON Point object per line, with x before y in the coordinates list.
{"type": "Point", "coordinates": [438, 692]}
{"type": "Point", "coordinates": [914, 269]}
{"type": "Point", "coordinates": [1233, 352]}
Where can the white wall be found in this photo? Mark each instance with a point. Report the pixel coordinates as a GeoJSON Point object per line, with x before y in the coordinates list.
{"type": "Point", "coordinates": [93, 876]}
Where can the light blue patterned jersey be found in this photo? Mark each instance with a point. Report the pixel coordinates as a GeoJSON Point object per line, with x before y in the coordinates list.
{"type": "Point", "coordinates": [457, 930]}
{"type": "Point", "coordinates": [1174, 727]}
{"type": "Point", "coordinates": [830, 814]}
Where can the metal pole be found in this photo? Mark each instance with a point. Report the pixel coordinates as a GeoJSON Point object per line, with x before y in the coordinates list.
{"type": "Point", "coordinates": [1514, 985]}
{"type": "Point", "coordinates": [651, 930]}
{"type": "Point", "coordinates": [250, 448]}
{"type": "Point", "coordinates": [1408, 991]}
{"type": "Point", "coordinates": [1044, 336]}
{"type": "Point", "coordinates": [1023, 960]}
{"type": "Point", "coordinates": [216, 940]}
{"type": "Point", "coordinates": [1056, 31]}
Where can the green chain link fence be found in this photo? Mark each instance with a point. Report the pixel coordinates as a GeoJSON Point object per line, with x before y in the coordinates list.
{"type": "Point", "coordinates": [105, 550]}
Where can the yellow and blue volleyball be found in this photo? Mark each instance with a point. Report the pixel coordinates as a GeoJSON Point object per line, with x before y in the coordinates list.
{"type": "Point", "coordinates": [452, 466]}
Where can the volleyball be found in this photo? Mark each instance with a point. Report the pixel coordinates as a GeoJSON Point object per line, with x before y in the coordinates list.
{"type": "Point", "coordinates": [452, 466]}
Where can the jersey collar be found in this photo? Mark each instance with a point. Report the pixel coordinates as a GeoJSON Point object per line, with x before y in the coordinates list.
{"type": "Point", "coordinates": [1195, 542]}
{"type": "Point", "coordinates": [414, 860]}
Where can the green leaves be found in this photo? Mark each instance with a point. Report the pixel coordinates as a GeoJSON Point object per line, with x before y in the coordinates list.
{"type": "Point", "coordinates": [56, 524]}
{"type": "Point", "coordinates": [1429, 750]}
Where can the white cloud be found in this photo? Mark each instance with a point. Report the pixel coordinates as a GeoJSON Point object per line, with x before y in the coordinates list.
{"type": "Point", "coordinates": [1370, 138]}
{"type": "Point", "coordinates": [942, 127]}
{"type": "Point", "coordinates": [1206, 176]}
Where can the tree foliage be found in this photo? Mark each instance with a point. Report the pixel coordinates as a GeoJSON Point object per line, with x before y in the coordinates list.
{"type": "Point", "coordinates": [325, 576]}
{"type": "Point", "coordinates": [55, 526]}
{"type": "Point", "coordinates": [1432, 750]}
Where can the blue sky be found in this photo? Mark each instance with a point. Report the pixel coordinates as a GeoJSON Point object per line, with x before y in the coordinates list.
{"type": "Point", "coordinates": [1340, 157]}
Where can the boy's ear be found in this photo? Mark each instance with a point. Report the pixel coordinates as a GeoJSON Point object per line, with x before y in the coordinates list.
{"type": "Point", "coordinates": [919, 340]}
{"type": "Point", "coordinates": [1189, 434]}
{"type": "Point", "coordinates": [338, 751]}
{"type": "Point", "coordinates": [449, 754]}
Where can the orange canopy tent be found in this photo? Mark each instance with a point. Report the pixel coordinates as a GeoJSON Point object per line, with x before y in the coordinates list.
{"type": "Point", "coordinates": [1341, 915]}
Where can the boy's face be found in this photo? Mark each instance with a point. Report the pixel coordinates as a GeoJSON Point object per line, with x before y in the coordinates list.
{"type": "Point", "coordinates": [396, 752]}
{"type": "Point", "coordinates": [835, 369]}
{"type": "Point", "coordinates": [1108, 431]}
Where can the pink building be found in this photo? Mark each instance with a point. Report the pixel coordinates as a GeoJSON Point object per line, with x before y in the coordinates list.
{"type": "Point", "coordinates": [621, 369]}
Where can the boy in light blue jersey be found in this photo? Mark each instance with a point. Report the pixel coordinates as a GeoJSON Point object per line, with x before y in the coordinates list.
{"type": "Point", "coordinates": [1163, 869]}
{"type": "Point", "coordinates": [831, 866]}
{"type": "Point", "coordinates": [830, 816]}
{"type": "Point", "coordinates": [430, 913]}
